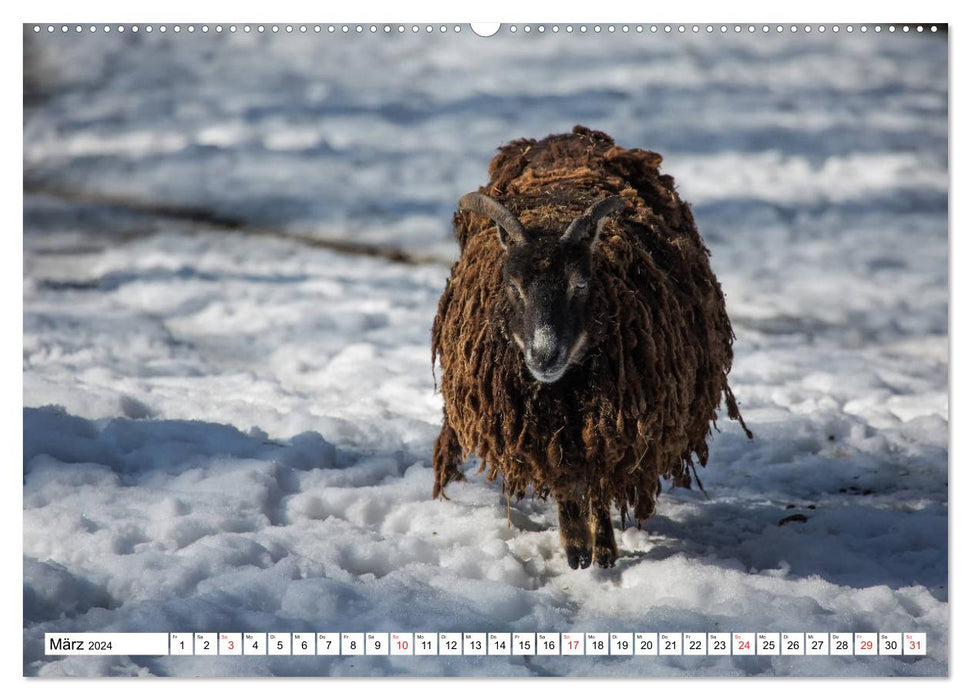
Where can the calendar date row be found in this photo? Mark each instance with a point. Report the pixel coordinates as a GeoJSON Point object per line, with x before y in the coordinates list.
{"type": "Point", "coordinates": [489, 644]}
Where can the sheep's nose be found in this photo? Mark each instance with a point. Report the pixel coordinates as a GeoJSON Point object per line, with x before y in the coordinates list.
{"type": "Point", "coordinates": [543, 351]}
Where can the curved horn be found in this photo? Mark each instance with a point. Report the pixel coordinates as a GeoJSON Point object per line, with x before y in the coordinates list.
{"type": "Point", "coordinates": [582, 224]}
{"type": "Point", "coordinates": [487, 206]}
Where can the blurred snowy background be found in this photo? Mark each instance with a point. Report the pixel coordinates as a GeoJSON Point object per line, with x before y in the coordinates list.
{"type": "Point", "coordinates": [233, 249]}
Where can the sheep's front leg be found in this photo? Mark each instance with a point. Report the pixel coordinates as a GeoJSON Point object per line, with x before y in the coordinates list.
{"type": "Point", "coordinates": [574, 533]}
{"type": "Point", "coordinates": [604, 544]}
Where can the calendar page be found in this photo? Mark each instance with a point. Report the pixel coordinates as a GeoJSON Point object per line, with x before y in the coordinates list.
{"type": "Point", "coordinates": [613, 349]}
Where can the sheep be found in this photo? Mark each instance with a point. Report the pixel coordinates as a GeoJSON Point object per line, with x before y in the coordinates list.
{"type": "Point", "coordinates": [582, 337]}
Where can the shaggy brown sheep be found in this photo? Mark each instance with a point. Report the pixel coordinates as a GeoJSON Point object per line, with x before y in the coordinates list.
{"type": "Point", "coordinates": [582, 336]}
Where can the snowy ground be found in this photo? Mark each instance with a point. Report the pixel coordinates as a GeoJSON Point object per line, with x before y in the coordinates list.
{"type": "Point", "coordinates": [227, 429]}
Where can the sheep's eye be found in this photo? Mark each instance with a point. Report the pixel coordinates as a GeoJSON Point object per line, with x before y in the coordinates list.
{"type": "Point", "coordinates": [580, 286]}
{"type": "Point", "coordinates": [514, 288]}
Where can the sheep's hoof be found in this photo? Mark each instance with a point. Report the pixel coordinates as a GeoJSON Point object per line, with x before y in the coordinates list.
{"type": "Point", "coordinates": [577, 557]}
{"type": "Point", "coordinates": [606, 558]}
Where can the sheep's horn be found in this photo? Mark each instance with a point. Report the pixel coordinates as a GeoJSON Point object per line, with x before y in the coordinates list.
{"type": "Point", "coordinates": [582, 224]}
{"type": "Point", "coordinates": [487, 206]}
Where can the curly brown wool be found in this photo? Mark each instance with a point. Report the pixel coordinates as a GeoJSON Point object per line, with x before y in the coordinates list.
{"type": "Point", "coordinates": [640, 406]}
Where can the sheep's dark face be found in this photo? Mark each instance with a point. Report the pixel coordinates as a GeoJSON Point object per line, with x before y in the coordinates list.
{"type": "Point", "coordinates": [547, 278]}
{"type": "Point", "coordinates": [548, 282]}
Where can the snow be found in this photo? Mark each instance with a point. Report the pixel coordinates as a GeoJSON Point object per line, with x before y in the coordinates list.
{"type": "Point", "coordinates": [227, 429]}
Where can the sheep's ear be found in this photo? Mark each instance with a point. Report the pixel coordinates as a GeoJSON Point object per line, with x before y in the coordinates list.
{"type": "Point", "coordinates": [505, 240]}
{"type": "Point", "coordinates": [586, 228]}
